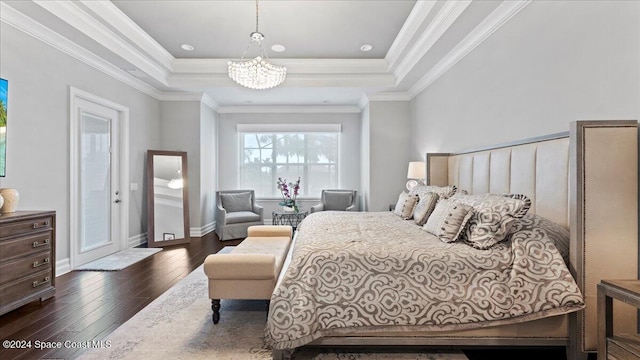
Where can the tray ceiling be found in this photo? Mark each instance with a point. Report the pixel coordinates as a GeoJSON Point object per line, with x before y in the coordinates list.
{"type": "Point", "coordinates": [138, 42]}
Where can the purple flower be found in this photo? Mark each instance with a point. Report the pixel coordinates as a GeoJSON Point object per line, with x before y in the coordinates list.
{"type": "Point", "coordinates": [287, 189]}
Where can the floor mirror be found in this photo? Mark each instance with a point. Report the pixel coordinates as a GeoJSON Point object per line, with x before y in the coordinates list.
{"type": "Point", "coordinates": [167, 198]}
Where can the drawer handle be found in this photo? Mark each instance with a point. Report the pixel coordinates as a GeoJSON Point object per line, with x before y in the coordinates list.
{"type": "Point", "coordinates": [37, 225]}
{"type": "Point", "coordinates": [38, 263]}
{"type": "Point", "coordinates": [44, 243]}
{"type": "Point", "coordinates": [37, 283]}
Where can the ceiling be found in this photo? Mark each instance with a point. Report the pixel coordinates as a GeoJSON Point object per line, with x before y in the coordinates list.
{"type": "Point", "coordinates": [139, 42]}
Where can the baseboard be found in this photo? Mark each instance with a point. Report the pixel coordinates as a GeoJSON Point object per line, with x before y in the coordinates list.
{"type": "Point", "coordinates": [137, 240]}
{"type": "Point", "coordinates": [202, 231]}
{"type": "Point", "coordinates": [63, 266]}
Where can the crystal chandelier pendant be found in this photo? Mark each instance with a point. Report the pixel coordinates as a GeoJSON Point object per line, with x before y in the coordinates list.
{"type": "Point", "coordinates": [258, 73]}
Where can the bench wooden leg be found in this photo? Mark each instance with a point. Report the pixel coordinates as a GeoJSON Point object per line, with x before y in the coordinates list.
{"type": "Point", "coordinates": [215, 306]}
{"type": "Point", "coordinates": [267, 307]}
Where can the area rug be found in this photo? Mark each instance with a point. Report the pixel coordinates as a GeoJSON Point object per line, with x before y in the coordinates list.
{"type": "Point", "coordinates": [119, 260]}
{"type": "Point", "coordinates": [177, 325]}
{"type": "Point", "coordinates": [226, 250]}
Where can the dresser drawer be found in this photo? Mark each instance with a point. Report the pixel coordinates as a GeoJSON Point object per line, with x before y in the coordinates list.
{"type": "Point", "coordinates": [25, 287]}
{"type": "Point", "coordinates": [10, 249]}
{"type": "Point", "coordinates": [26, 227]}
{"type": "Point", "coordinates": [14, 269]}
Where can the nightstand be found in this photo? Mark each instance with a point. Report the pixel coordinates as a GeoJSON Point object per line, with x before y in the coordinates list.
{"type": "Point", "coordinates": [622, 346]}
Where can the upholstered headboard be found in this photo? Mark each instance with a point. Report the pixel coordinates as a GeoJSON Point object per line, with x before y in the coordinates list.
{"type": "Point", "coordinates": [538, 169]}
{"type": "Point", "coordinates": [586, 180]}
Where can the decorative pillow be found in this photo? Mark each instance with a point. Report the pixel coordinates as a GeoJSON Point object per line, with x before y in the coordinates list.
{"type": "Point", "coordinates": [444, 192]}
{"type": "Point", "coordinates": [536, 227]}
{"type": "Point", "coordinates": [404, 206]}
{"type": "Point", "coordinates": [493, 217]}
{"type": "Point", "coordinates": [448, 220]}
{"type": "Point", "coordinates": [424, 208]}
{"type": "Point", "coordinates": [236, 201]}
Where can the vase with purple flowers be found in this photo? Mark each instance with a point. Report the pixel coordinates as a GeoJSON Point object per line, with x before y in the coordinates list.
{"type": "Point", "coordinates": [289, 193]}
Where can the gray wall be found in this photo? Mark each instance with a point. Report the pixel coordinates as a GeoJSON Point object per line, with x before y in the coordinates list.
{"type": "Point", "coordinates": [38, 128]}
{"type": "Point", "coordinates": [389, 143]}
{"type": "Point", "coordinates": [365, 156]}
{"type": "Point", "coordinates": [553, 63]}
{"type": "Point", "coordinates": [180, 131]}
{"type": "Point", "coordinates": [208, 164]}
{"type": "Point", "coordinates": [228, 147]}
{"type": "Point", "coordinates": [191, 126]}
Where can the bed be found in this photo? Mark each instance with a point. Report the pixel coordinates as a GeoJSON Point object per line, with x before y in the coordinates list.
{"type": "Point", "coordinates": [567, 177]}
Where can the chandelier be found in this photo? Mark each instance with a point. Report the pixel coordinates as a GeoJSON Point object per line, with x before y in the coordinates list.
{"type": "Point", "coordinates": [258, 73]}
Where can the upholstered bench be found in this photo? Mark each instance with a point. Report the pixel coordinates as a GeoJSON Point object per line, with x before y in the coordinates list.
{"type": "Point", "coordinates": [251, 270]}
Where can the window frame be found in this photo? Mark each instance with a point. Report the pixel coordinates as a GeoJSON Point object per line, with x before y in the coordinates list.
{"type": "Point", "coordinates": [274, 165]}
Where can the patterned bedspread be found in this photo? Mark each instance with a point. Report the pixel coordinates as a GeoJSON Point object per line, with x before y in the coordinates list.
{"type": "Point", "coordinates": [375, 271]}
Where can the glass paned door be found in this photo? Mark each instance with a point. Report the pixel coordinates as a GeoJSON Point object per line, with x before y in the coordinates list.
{"type": "Point", "coordinates": [95, 180]}
{"type": "Point", "coordinates": [98, 194]}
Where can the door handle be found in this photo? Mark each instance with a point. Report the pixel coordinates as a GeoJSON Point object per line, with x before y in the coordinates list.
{"type": "Point", "coordinates": [117, 201]}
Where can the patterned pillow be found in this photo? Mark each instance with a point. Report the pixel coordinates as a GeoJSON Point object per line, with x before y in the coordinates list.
{"type": "Point", "coordinates": [493, 217]}
{"type": "Point", "coordinates": [533, 226]}
{"type": "Point", "coordinates": [404, 206]}
{"type": "Point", "coordinates": [448, 220]}
{"type": "Point", "coordinates": [424, 208]}
{"type": "Point", "coordinates": [444, 192]}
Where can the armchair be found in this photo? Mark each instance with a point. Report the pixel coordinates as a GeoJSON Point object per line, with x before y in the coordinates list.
{"type": "Point", "coordinates": [336, 200]}
{"type": "Point", "coordinates": [236, 210]}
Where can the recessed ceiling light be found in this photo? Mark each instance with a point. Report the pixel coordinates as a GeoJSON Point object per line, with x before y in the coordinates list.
{"type": "Point", "coordinates": [325, 102]}
{"type": "Point", "coordinates": [366, 47]}
{"type": "Point", "coordinates": [249, 102]}
{"type": "Point", "coordinates": [278, 48]}
{"type": "Point", "coordinates": [187, 47]}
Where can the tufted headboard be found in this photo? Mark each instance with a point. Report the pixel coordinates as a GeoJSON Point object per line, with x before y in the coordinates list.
{"type": "Point", "coordinates": [585, 180]}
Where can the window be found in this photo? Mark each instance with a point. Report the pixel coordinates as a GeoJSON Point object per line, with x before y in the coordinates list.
{"type": "Point", "coordinates": [267, 156]}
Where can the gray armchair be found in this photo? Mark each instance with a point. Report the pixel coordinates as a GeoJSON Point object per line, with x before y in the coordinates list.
{"type": "Point", "coordinates": [236, 210]}
{"type": "Point", "coordinates": [336, 200]}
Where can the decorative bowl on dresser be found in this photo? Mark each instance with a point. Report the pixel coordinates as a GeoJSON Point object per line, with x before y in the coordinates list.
{"type": "Point", "coordinates": [27, 258]}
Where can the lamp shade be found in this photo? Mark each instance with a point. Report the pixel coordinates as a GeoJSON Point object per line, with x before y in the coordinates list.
{"type": "Point", "coordinates": [417, 170]}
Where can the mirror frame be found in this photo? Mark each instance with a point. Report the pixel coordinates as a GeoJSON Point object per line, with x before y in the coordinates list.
{"type": "Point", "coordinates": [151, 203]}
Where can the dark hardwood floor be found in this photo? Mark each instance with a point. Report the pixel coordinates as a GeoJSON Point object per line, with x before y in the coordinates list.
{"type": "Point", "coordinates": [89, 305]}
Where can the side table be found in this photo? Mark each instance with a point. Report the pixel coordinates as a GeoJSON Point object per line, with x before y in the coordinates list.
{"type": "Point", "coordinates": [622, 346]}
{"type": "Point", "coordinates": [288, 218]}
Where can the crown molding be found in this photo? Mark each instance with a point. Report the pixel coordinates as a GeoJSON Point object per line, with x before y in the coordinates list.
{"type": "Point", "coordinates": [293, 109]}
{"type": "Point", "coordinates": [363, 102]}
{"type": "Point", "coordinates": [389, 96]}
{"type": "Point", "coordinates": [18, 20]}
{"type": "Point", "coordinates": [111, 14]}
{"type": "Point", "coordinates": [294, 66]}
{"type": "Point", "coordinates": [340, 80]}
{"type": "Point", "coordinates": [448, 13]}
{"type": "Point", "coordinates": [500, 16]}
{"type": "Point", "coordinates": [416, 18]}
{"type": "Point", "coordinates": [200, 73]}
{"type": "Point", "coordinates": [180, 96]}
{"type": "Point", "coordinates": [366, 99]}
{"type": "Point", "coordinates": [73, 15]}
{"type": "Point", "coordinates": [208, 101]}
{"type": "Point", "coordinates": [204, 80]}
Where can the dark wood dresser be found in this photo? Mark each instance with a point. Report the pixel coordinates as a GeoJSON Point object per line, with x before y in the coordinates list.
{"type": "Point", "coordinates": [27, 258]}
